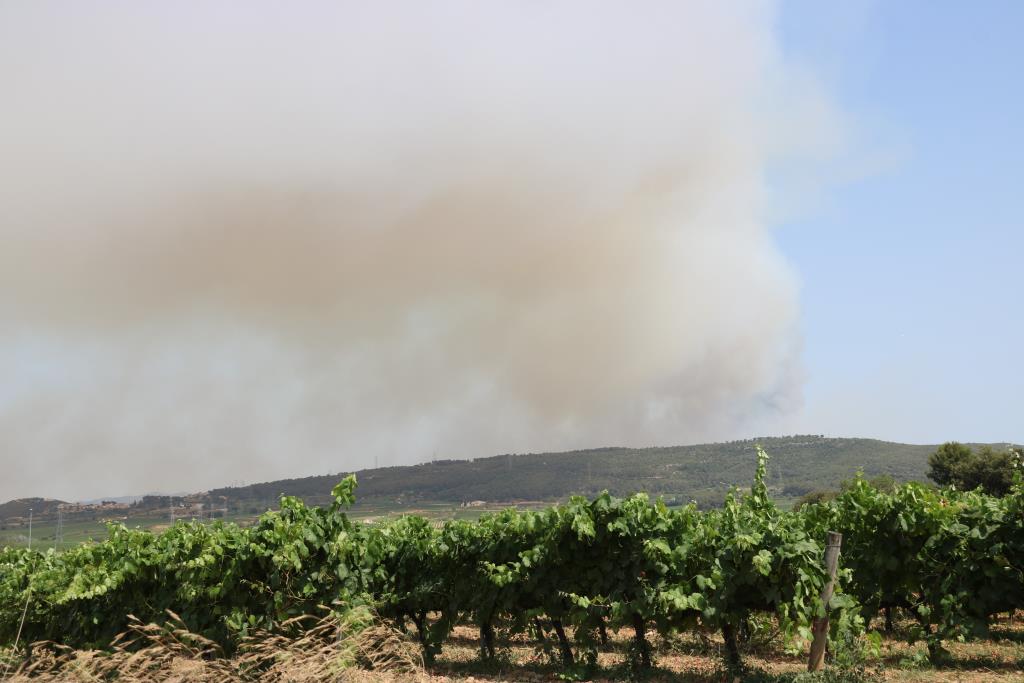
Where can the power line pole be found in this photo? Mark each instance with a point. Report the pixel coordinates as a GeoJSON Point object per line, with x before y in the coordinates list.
{"type": "Point", "coordinates": [172, 510]}
{"type": "Point", "coordinates": [58, 534]}
{"type": "Point", "coordinates": [30, 528]}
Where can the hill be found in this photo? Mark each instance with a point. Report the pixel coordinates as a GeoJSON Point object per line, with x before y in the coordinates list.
{"type": "Point", "coordinates": [679, 473]}
{"type": "Point", "coordinates": [701, 473]}
{"type": "Point", "coordinates": [19, 507]}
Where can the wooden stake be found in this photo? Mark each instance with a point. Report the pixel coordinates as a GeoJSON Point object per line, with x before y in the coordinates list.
{"type": "Point", "coordinates": [816, 661]}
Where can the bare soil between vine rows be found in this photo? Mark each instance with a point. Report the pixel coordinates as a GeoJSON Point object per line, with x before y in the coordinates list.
{"type": "Point", "coordinates": [692, 658]}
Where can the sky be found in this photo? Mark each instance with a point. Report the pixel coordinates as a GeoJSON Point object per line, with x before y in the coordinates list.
{"type": "Point", "coordinates": [911, 294]}
{"type": "Point", "coordinates": [305, 240]}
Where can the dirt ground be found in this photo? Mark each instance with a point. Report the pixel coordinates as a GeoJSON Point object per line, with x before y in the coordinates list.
{"type": "Point", "coordinates": [691, 658]}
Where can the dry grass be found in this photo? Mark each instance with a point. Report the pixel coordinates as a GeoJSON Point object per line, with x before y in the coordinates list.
{"type": "Point", "coordinates": [323, 652]}
{"type": "Point", "coordinates": [363, 649]}
{"type": "Point", "coordinates": [329, 648]}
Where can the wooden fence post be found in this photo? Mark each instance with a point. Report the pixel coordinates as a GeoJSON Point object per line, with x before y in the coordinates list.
{"type": "Point", "coordinates": [819, 629]}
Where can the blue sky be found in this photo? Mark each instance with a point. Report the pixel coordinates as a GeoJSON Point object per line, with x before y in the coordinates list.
{"type": "Point", "coordinates": [912, 292]}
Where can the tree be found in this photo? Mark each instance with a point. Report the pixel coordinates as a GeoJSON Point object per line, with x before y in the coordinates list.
{"type": "Point", "coordinates": [814, 497]}
{"type": "Point", "coordinates": [991, 470]}
{"type": "Point", "coordinates": [955, 464]}
{"type": "Point", "coordinates": [948, 463]}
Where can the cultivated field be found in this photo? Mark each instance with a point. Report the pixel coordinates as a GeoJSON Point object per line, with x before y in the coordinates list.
{"type": "Point", "coordinates": [601, 588]}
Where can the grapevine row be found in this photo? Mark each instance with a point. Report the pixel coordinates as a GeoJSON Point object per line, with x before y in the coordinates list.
{"type": "Point", "coordinates": [952, 559]}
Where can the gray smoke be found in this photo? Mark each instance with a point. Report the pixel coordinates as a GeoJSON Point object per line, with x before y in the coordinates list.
{"type": "Point", "coordinates": [274, 239]}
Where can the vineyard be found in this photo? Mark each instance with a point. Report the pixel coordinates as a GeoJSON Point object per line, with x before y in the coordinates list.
{"type": "Point", "coordinates": [569, 575]}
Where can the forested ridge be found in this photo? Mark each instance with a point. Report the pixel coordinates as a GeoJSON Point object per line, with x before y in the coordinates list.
{"type": "Point", "coordinates": [680, 474]}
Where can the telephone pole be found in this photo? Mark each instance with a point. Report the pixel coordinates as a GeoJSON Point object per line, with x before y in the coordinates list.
{"type": "Point", "coordinates": [30, 528]}
{"type": "Point", "coordinates": [58, 534]}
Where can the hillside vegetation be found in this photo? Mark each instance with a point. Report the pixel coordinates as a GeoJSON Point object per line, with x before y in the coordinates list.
{"type": "Point", "coordinates": [21, 507]}
{"type": "Point", "coordinates": [681, 474]}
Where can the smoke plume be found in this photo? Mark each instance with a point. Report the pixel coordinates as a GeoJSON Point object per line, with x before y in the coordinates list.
{"type": "Point", "coordinates": [250, 241]}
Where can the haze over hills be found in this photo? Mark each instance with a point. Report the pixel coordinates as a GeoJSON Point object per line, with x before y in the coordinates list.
{"type": "Point", "coordinates": [701, 473]}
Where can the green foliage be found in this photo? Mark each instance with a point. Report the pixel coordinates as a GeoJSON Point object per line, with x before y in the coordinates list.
{"type": "Point", "coordinates": [883, 482]}
{"type": "Point", "coordinates": [815, 497]}
{"type": "Point", "coordinates": [945, 463]}
{"type": "Point", "coordinates": [951, 558]}
{"type": "Point", "coordinates": [223, 580]}
{"type": "Point", "coordinates": [345, 492]}
{"type": "Point", "coordinates": [990, 470]}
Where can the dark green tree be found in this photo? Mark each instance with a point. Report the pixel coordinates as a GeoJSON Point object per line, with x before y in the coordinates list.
{"type": "Point", "coordinates": [955, 464]}
{"type": "Point", "coordinates": [948, 463]}
{"type": "Point", "coordinates": [992, 470]}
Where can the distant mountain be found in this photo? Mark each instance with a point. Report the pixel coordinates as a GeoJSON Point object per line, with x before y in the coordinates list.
{"type": "Point", "coordinates": [703, 473]}
{"type": "Point", "coordinates": [21, 506]}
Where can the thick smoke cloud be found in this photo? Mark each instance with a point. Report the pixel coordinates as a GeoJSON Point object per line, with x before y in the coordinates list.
{"type": "Point", "coordinates": [245, 242]}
